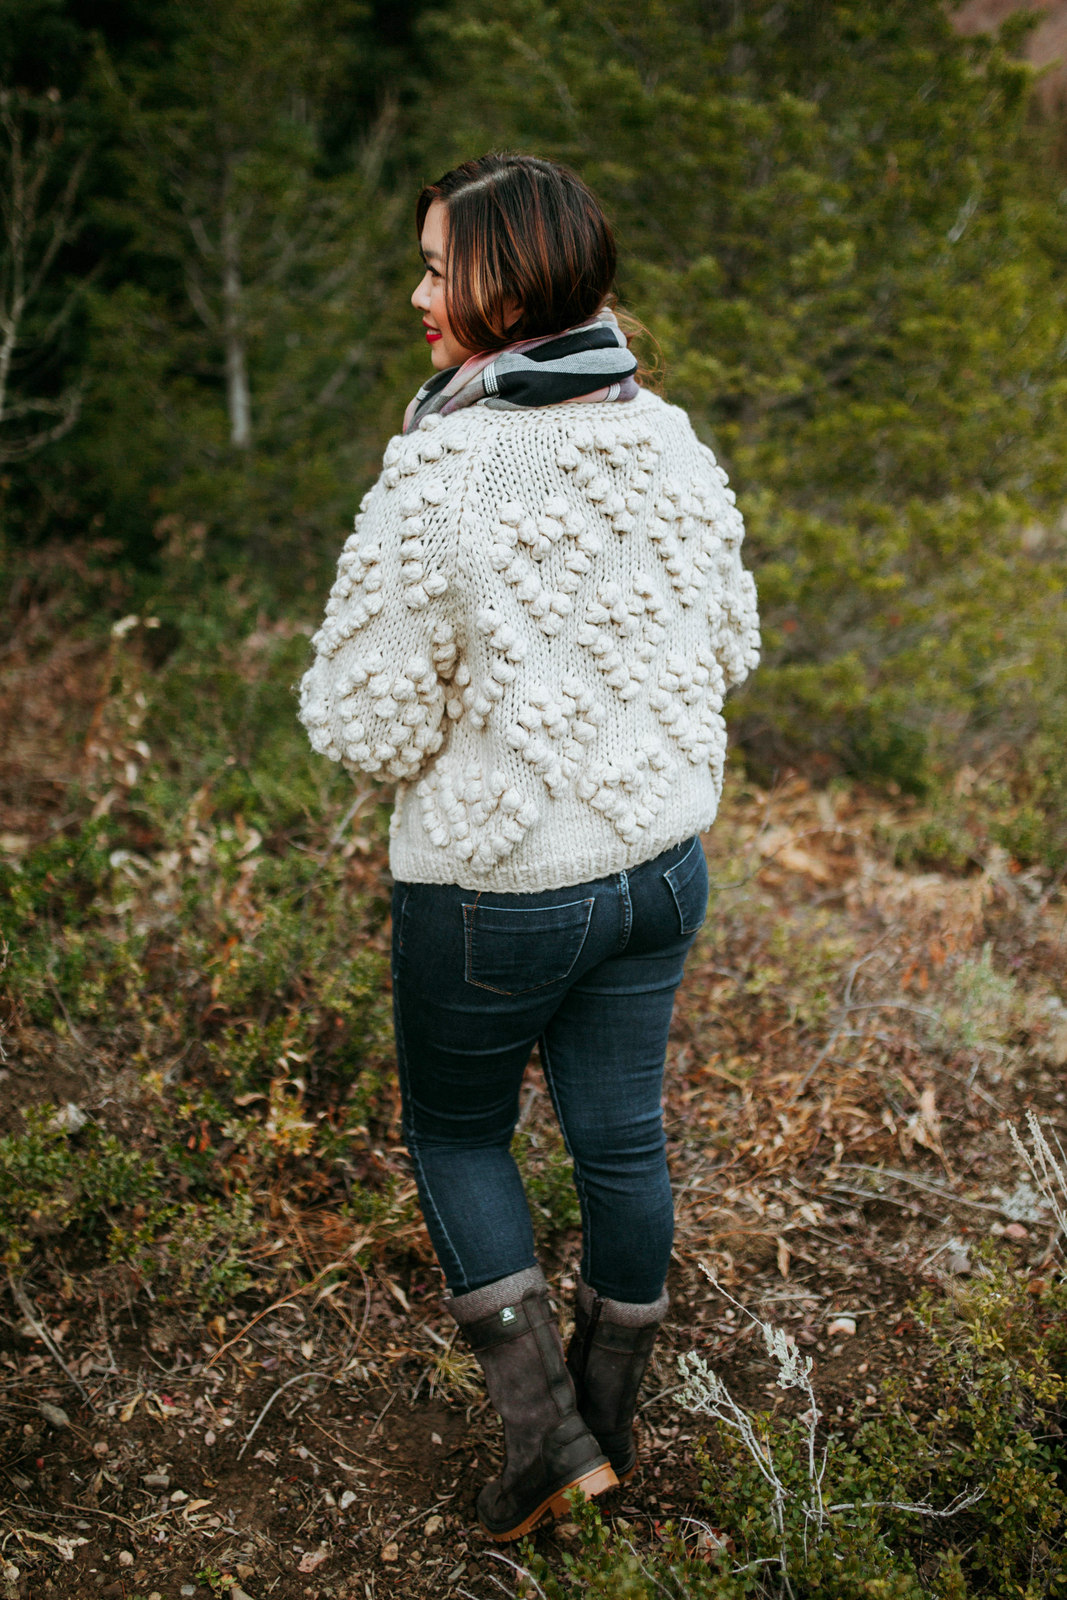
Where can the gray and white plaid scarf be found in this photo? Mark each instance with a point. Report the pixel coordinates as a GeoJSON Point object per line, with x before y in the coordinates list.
{"type": "Point", "coordinates": [587, 363]}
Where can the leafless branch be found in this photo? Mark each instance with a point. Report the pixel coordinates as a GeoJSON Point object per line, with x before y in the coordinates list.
{"type": "Point", "coordinates": [36, 220]}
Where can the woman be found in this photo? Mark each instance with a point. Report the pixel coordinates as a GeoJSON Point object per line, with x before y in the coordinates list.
{"type": "Point", "coordinates": [532, 630]}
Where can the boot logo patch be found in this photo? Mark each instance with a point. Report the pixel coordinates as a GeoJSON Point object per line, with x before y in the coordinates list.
{"type": "Point", "coordinates": [508, 1314]}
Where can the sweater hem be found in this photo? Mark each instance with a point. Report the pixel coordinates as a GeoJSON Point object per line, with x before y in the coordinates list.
{"type": "Point", "coordinates": [411, 865]}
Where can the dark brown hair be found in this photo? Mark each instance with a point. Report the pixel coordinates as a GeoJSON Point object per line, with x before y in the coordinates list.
{"type": "Point", "coordinates": [521, 229]}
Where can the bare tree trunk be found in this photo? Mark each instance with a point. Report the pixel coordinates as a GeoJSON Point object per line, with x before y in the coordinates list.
{"type": "Point", "coordinates": [14, 302]}
{"type": "Point", "coordinates": [238, 395]}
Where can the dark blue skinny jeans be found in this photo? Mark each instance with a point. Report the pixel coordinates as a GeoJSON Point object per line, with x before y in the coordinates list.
{"type": "Point", "coordinates": [589, 973]}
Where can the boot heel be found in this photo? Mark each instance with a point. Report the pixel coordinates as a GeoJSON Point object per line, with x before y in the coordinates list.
{"type": "Point", "coordinates": [598, 1481]}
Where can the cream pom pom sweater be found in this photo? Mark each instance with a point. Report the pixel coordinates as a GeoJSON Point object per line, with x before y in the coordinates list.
{"type": "Point", "coordinates": [533, 628]}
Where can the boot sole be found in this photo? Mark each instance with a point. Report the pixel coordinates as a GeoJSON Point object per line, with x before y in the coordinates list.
{"type": "Point", "coordinates": [598, 1481]}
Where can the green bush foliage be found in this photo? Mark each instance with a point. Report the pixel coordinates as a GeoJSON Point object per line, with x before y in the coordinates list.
{"type": "Point", "coordinates": [836, 221]}
{"type": "Point", "coordinates": [208, 938]}
{"type": "Point", "coordinates": [548, 1178]}
{"type": "Point", "coordinates": [89, 1183]}
{"type": "Point", "coordinates": [994, 1448]}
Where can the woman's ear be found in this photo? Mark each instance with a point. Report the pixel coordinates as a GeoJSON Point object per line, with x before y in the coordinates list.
{"type": "Point", "coordinates": [512, 310]}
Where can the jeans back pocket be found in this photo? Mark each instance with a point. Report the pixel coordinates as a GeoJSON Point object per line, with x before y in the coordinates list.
{"type": "Point", "coordinates": [688, 882]}
{"type": "Point", "coordinates": [513, 949]}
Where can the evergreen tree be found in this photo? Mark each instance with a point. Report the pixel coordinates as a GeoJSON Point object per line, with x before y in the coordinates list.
{"type": "Point", "coordinates": [264, 277]}
{"type": "Point", "coordinates": [839, 221]}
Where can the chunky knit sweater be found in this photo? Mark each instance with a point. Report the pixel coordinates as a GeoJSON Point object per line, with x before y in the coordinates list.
{"type": "Point", "coordinates": [533, 628]}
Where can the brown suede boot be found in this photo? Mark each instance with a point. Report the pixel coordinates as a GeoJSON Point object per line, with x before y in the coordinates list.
{"type": "Point", "coordinates": [547, 1447]}
{"type": "Point", "coordinates": [607, 1358]}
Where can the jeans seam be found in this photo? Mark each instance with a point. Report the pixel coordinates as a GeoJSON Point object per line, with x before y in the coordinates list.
{"type": "Point", "coordinates": [579, 1181]}
{"type": "Point", "coordinates": [399, 920]}
{"type": "Point", "coordinates": [411, 1138]}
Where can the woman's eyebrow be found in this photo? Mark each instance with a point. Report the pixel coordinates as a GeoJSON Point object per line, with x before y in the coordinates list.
{"type": "Point", "coordinates": [433, 256]}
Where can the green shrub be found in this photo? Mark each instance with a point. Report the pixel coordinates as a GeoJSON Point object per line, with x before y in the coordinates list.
{"type": "Point", "coordinates": [838, 221]}
{"type": "Point", "coordinates": [54, 1182]}
{"type": "Point", "coordinates": [207, 915]}
{"type": "Point", "coordinates": [51, 1180]}
{"type": "Point", "coordinates": [942, 842]}
{"type": "Point", "coordinates": [868, 1519]}
{"type": "Point", "coordinates": [548, 1178]}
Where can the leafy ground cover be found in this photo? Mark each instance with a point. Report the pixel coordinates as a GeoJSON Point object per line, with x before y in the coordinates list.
{"type": "Point", "coordinates": [223, 1363]}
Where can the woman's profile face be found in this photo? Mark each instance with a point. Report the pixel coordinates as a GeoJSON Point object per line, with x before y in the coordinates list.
{"type": "Point", "coordinates": [430, 297]}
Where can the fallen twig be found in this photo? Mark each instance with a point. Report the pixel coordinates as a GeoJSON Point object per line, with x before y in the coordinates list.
{"type": "Point", "coordinates": [381, 1414]}
{"type": "Point", "coordinates": [523, 1572]}
{"type": "Point", "coordinates": [962, 1502]}
{"type": "Point", "coordinates": [347, 1448]}
{"type": "Point", "coordinates": [280, 1390]}
{"type": "Point", "coordinates": [918, 1183]}
{"type": "Point", "coordinates": [284, 1301]}
{"type": "Point", "coordinates": [22, 1300]}
{"type": "Point", "coordinates": [95, 1511]}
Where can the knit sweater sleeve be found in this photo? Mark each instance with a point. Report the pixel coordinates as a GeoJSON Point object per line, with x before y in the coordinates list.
{"type": "Point", "coordinates": [374, 697]}
{"type": "Point", "coordinates": [732, 610]}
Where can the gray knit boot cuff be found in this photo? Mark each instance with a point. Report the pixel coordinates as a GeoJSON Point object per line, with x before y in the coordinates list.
{"type": "Point", "coordinates": [492, 1297]}
{"type": "Point", "coordinates": [624, 1313]}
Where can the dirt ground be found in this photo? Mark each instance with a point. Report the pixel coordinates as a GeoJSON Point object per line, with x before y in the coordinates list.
{"type": "Point", "coordinates": [850, 1044]}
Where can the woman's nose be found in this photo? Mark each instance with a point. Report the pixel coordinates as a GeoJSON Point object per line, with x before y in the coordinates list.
{"type": "Point", "coordinates": [421, 298]}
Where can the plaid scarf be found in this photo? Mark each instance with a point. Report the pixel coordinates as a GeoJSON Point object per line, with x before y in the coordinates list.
{"type": "Point", "coordinates": [536, 372]}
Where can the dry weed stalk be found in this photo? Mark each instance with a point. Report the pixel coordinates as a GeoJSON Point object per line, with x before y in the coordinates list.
{"type": "Point", "coordinates": [1048, 1173]}
{"type": "Point", "coordinates": [704, 1392]}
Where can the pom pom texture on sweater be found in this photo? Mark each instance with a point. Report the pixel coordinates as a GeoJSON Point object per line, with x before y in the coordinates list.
{"type": "Point", "coordinates": [533, 628]}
